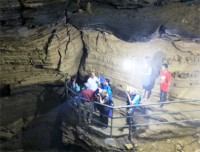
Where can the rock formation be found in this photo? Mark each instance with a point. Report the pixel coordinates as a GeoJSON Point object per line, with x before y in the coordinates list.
{"type": "Point", "coordinates": [42, 42]}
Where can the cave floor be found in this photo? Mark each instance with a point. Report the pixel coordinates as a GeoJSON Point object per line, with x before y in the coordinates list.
{"type": "Point", "coordinates": [146, 131]}
{"type": "Point", "coordinates": [121, 131]}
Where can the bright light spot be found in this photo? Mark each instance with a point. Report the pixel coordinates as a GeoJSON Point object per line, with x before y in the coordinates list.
{"type": "Point", "coordinates": [127, 65]}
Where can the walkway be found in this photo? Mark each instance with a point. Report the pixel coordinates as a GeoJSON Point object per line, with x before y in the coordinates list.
{"type": "Point", "coordinates": [173, 118]}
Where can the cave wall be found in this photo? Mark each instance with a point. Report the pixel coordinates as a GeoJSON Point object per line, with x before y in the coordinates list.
{"type": "Point", "coordinates": [38, 49]}
{"type": "Point", "coordinates": [42, 55]}
{"type": "Point", "coordinates": [43, 41]}
{"type": "Point", "coordinates": [167, 34]}
{"type": "Point", "coordinates": [107, 55]}
{"type": "Point", "coordinates": [36, 43]}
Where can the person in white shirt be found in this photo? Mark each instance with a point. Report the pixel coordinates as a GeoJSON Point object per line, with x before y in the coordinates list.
{"type": "Point", "coordinates": [93, 82]}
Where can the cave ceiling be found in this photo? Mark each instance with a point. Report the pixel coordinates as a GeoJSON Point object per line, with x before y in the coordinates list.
{"type": "Point", "coordinates": [130, 20]}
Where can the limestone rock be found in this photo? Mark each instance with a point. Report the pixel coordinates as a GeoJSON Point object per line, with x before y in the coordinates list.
{"type": "Point", "coordinates": [44, 56]}
{"type": "Point", "coordinates": [151, 22]}
{"type": "Point", "coordinates": [111, 142]}
{"type": "Point", "coordinates": [128, 146]}
{"type": "Point", "coordinates": [89, 7]}
{"type": "Point", "coordinates": [183, 65]}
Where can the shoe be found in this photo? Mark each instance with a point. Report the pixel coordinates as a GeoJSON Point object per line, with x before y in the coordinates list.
{"type": "Point", "coordinates": [133, 128]}
{"type": "Point", "coordinates": [161, 105]}
{"type": "Point", "coordinates": [104, 127]}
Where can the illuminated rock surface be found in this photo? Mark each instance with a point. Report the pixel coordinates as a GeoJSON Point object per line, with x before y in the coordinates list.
{"type": "Point", "coordinates": [41, 42]}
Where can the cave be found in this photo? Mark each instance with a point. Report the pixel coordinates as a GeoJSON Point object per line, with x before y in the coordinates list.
{"type": "Point", "coordinates": [43, 42]}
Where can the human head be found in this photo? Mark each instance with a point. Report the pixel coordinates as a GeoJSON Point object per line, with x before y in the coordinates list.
{"type": "Point", "coordinates": [131, 90]}
{"type": "Point", "coordinates": [73, 78]}
{"type": "Point", "coordinates": [164, 67]}
{"type": "Point", "coordinates": [105, 83]}
{"type": "Point", "coordinates": [68, 78]}
{"type": "Point", "coordinates": [147, 60]}
{"type": "Point", "coordinates": [104, 93]}
{"type": "Point", "coordinates": [108, 80]}
{"type": "Point", "coordinates": [92, 74]}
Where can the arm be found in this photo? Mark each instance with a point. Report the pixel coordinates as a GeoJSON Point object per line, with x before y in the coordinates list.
{"type": "Point", "coordinates": [148, 72]}
{"type": "Point", "coordinates": [101, 100]}
{"type": "Point", "coordinates": [168, 80]}
{"type": "Point", "coordinates": [128, 97]}
{"type": "Point", "coordinates": [136, 100]}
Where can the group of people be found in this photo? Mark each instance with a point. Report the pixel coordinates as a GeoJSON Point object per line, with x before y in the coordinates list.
{"type": "Point", "coordinates": [148, 77]}
{"type": "Point", "coordinates": [100, 90]}
{"type": "Point", "coordinates": [94, 90]}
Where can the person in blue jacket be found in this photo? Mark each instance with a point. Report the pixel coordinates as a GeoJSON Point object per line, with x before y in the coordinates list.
{"type": "Point", "coordinates": [107, 88]}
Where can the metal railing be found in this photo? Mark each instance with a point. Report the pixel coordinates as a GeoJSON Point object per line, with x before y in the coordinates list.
{"type": "Point", "coordinates": [112, 117]}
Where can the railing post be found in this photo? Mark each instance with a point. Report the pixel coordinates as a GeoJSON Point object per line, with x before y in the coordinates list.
{"type": "Point", "coordinates": [129, 133]}
{"type": "Point", "coordinates": [79, 114]}
{"type": "Point", "coordinates": [111, 127]}
{"type": "Point", "coordinates": [67, 90]}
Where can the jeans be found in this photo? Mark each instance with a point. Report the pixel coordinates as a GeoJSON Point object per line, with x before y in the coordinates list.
{"type": "Point", "coordinates": [87, 111]}
{"type": "Point", "coordinates": [163, 97]}
{"type": "Point", "coordinates": [130, 113]}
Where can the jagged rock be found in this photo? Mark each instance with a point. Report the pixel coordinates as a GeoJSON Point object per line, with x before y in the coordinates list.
{"type": "Point", "coordinates": [180, 143]}
{"type": "Point", "coordinates": [48, 57]}
{"type": "Point", "coordinates": [89, 7]}
{"type": "Point", "coordinates": [103, 47]}
{"type": "Point", "coordinates": [179, 146]}
{"type": "Point", "coordinates": [151, 22]}
{"type": "Point", "coordinates": [154, 145]}
{"type": "Point", "coordinates": [43, 41]}
{"type": "Point", "coordinates": [26, 104]}
{"type": "Point", "coordinates": [111, 142]}
{"type": "Point", "coordinates": [128, 146]}
{"type": "Point", "coordinates": [168, 141]}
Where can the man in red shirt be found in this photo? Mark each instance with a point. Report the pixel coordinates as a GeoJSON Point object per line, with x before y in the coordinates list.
{"type": "Point", "coordinates": [87, 97]}
{"type": "Point", "coordinates": [165, 78]}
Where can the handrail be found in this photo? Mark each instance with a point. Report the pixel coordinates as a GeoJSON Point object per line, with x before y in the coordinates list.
{"type": "Point", "coordinates": [146, 115]}
{"type": "Point", "coordinates": [149, 104]}
{"type": "Point", "coordinates": [163, 113]}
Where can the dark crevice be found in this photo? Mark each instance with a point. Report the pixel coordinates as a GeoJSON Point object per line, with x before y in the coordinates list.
{"type": "Point", "coordinates": [67, 6]}
{"type": "Point", "coordinates": [68, 34]}
{"type": "Point", "coordinates": [83, 58]}
{"type": "Point", "coordinates": [60, 55]}
{"type": "Point", "coordinates": [59, 62]}
{"type": "Point", "coordinates": [48, 42]}
{"type": "Point", "coordinates": [22, 8]}
{"type": "Point", "coordinates": [97, 38]}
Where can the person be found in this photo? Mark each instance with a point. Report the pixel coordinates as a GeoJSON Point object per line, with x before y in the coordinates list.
{"type": "Point", "coordinates": [165, 78]}
{"type": "Point", "coordinates": [146, 78]}
{"type": "Point", "coordinates": [67, 84]}
{"type": "Point", "coordinates": [104, 110]}
{"type": "Point", "coordinates": [107, 88]}
{"type": "Point", "coordinates": [133, 98]}
{"type": "Point", "coordinates": [102, 79]}
{"type": "Point", "coordinates": [85, 99]}
{"type": "Point", "coordinates": [93, 82]}
{"type": "Point", "coordinates": [109, 83]}
{"type": "Point", "coordinates": [75, 87]}
{"type": "Point", "coordinates": [71, 84]}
